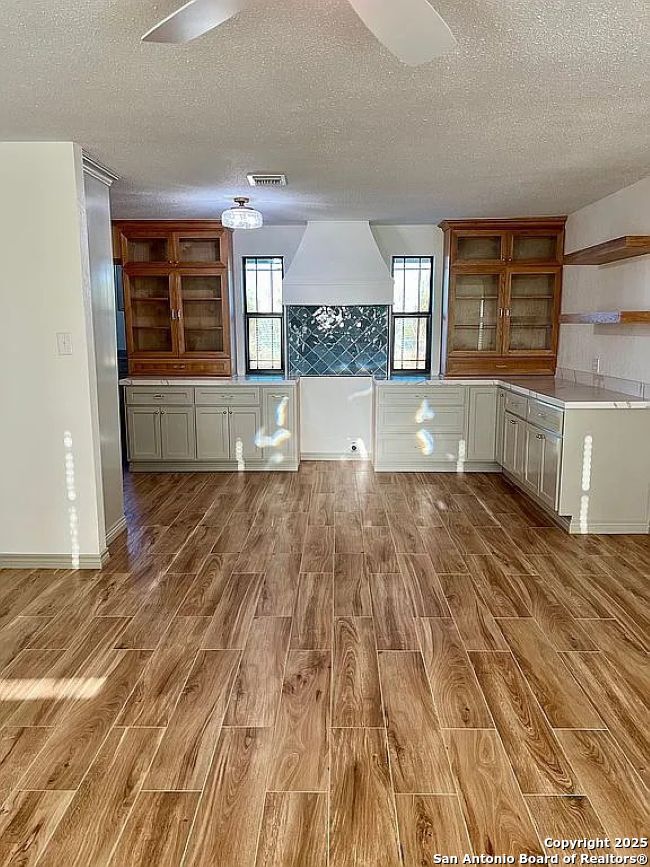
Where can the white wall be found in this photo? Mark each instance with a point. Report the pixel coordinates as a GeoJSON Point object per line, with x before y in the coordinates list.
{"type": "Point", "coordinates": [98, 222]}
{"type": "Point", "coordinates": [49, 405]}
{"type": "Point", "coordinates": [416, 240]}
{"type": "Point", "coordinates": [624, 351]}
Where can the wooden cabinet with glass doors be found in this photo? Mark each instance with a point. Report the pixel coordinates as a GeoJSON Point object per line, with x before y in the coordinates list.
{"type": "Point", "coordinates": [176, 278]}
{"type": "Point", "coordinates": [502, 291]}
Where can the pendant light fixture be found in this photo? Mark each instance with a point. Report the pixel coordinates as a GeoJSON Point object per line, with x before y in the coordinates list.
{"type": "Point", "coordinates": [242, 217]}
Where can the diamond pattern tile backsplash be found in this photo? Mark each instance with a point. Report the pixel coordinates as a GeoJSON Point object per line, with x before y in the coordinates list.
{"type": "Point", "coordinates": [337, 341]}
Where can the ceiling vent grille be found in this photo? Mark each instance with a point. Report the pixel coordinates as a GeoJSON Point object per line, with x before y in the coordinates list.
{"type": "Point", "coordinates": [260, 179]}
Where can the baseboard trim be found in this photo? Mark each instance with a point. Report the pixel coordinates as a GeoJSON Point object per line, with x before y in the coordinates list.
{"type": "Point", "coordinates": [446, 467]}
{"type": "Point", "coordinates": [335, 456]}
{"type": "Point", "coordinates": [117, 528]}
{"type": "Point", "coordinates": [578, 529]}
{"type": "Point", "coordinates": [289, 466]}
{"type": "Point", "coordinates": [53, 561]}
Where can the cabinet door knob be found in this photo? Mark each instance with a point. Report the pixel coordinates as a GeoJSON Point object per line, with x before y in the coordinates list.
{"type": "Point", "coordinates": [225, 412]}
{"type": "Point", "coordinates": [541, 437]}
{"type": "Point", "coordinates": [512, 422]}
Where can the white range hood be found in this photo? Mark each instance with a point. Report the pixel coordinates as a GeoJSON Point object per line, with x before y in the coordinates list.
{"type": "Point", "coordinates": [338, 263]}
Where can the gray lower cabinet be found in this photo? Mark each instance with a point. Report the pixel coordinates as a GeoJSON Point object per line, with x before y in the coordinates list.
{"type": "Point", "coordinates": [481, 437]}
{"type": "Point", "coordinates": [501, 399]}
{"type": "Point", "coordinates": [245, 433]}
{"type": "Point", "coordinates": [143, 426]}
{"type": "Point", "coordinates": [542, 461]}
{"type": "Point", "coordinates": [514, 431]}
{"type": "Point", "coordinates": [212, 433]}
{"type": "Point", "coordinates": [177, 433]}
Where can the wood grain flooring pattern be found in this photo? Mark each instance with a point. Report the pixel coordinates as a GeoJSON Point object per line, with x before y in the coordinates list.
{"type": "Point", "coordinates": [157, 830]}
{"type": "Point", "coordinates": [561, 697]}
{"type": "Point", "coordinates": [431, 825]}
{"type": "Point", "coordinates": [494, 809]}
{"type": "Point", "coordinates": [300, 746]}
{"type": "Point", "coordinates": [294, 830]}
{"type": "Point", "coordinates": [279, 669]}
{"type": "Point", "coordinates": [357, 699]}
{"type": "Point", "coordinates": [362, 827]}
{"type": "Point", "coordinates": [416, 748]}
{"type": "Point", "coordinates": [99, 809]}
{"type": "Point", "coordinates": [257, 687]}
{"type": "Point", "coordinates": [457, 696]}
{"type": "Point", "coordinates": [536, 758]}
{"type": "Point", "coordinates": [183, 759]}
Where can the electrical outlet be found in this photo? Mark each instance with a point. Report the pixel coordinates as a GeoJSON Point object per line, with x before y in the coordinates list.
{"type": "Point", "coordinates": [64, 343]}
{"type": "Point", "coordinates": [595, 365]}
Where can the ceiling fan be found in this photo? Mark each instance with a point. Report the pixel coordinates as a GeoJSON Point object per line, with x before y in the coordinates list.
{"type": "Point", "coordinates": [411, 29]}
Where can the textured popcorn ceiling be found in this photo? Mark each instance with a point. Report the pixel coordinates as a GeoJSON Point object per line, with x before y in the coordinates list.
{"type": "Point", "coordinates": [543, 107]}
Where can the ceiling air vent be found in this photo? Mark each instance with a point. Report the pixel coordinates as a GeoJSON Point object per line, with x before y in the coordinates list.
{"type": "Point", "coordinates": [260, 179]}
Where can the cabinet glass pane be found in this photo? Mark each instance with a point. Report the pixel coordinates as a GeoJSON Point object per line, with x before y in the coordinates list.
{"type": "Point", "coordinates": [201, 287]}
{"type": "Point", "coordinates": [531, 311]}
{"type": "Point", "coordinates": [150, 286]}
{"type": "Point", "coordinates": [147, 250]}
{"type": "Point", "coordinates": [479, 248]}
{"type": "Point", "coordinates": [484, 286]}
{"type": "Point", "coordinates": [152, 338]}
{"type": "Point", "coordinates": [202, 312]}
{"type": "Point", "coordinates": [203, 340]}
{"type": "Point", "coordinates": [475, 313]}
{"type": "Point", "coordinates": [534, 248]}
{"type": "Point", "coordinates": [204, 250]}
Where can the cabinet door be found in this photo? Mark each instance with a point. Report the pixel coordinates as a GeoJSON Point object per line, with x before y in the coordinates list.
{"type": "Point", "coordinates": [280, 442]}
{"type": "Point", "coordinates": [478, 246]}
{"type": "Point", "coordinates": [145, 247]}
{"type": "Point", "coordinates": [535, 246]}
{"type": "Point", "coordinates": [501, 401]}
{"type": "Point", "coordinates": [200, 247]}
{"type": "Point", "coordinates": [149, 308]}
{"type": "Point", "coordinates": [202, 311]}
{"type": "Point", "coordinates": [481, 435]}
{"type": "Point", "coordinates": [475, 313]}
{"type": "Point", "coordinates": [245, 434]}
{"type": "Point", "coordinates": [513, 445]}
{"type": "Point", "coordinates": [212, 433]}
{"type": "Point", "coordinates": [533, 457]}
{"type": "Point", "coordinates": [532, 311]}
{"type": "Point", "coordinates": [549, 481]}
{"type": "Point", "coordinates": [178, 433]}
{"type": "Point", "coordinates": [143, 429]}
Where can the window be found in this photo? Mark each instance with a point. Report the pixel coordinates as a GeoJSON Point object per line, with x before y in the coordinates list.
{"type": "Point", "coordinates": [411, 319]}
{"type": "Point", "coordinates": [263, 313]}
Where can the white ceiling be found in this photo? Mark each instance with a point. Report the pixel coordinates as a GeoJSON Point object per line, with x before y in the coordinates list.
{"type": "Point", "coordinates": [543, 107]}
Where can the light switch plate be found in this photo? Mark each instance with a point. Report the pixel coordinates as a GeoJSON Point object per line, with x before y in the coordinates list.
{"type": "Point", "coordinates": [64, 343]}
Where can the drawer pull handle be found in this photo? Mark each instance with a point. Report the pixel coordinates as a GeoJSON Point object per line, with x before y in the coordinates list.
{"type": "Point", "coordinates": [541, 437]}
{"type": "Point", "coordinates": [158, 396]}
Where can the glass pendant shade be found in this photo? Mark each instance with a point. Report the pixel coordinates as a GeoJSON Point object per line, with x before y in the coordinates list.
{"type": "Point", "coordinates": [242, 217]}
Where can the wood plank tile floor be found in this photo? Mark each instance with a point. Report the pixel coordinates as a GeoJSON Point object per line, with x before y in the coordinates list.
{"type": "Point", "coordinates": [333, 667]}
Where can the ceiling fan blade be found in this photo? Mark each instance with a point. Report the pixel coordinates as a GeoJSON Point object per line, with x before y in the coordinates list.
{"type": "Point", "coordinates": [193, 19]}
{"type": "Point", "coordinates": [411, 29]}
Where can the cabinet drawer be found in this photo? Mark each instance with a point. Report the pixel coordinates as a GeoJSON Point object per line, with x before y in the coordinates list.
{"type": "Point", "coordinates": [147, 395]}
{"type": "Point", "coordinates": [548, 417]}
{"type": "Point", "coordinates": [424, 446]}
{"type": "Point", "coordinates": [421, 414]}
{"type": "Point", "coordinates": [448, 395]}
{"type": "Point", "coordinates": [230, 396]}
{"type": "Point", "coordinates": [166, 367]}
{"type": "Point", "coordinates": [516, 403]}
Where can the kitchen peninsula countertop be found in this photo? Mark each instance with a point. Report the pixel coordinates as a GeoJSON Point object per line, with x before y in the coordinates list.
{"type": "Point", "coordinates": [558, 392]}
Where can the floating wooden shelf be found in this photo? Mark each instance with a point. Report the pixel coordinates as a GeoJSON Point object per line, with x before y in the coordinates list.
{"type": "Point", "coordinates": [611, 251]}
{"type": "Point", "coordinates": [613, 317]}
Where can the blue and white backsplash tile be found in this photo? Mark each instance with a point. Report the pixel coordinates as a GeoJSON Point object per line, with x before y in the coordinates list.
{"type": "Point", "coordinates": [337, 341]}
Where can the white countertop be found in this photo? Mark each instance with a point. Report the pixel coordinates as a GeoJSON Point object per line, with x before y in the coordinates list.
{"type": "Point", "coordinates": [558, 392]}
{"type": "Point", "coordinates": [217, 381]}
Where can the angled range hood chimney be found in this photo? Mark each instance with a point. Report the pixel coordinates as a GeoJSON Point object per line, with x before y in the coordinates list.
{"type": "Point", "coordinates": [338, 263]}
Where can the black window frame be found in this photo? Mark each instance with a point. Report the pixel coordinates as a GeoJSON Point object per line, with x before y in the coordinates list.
{"type": "Point", "coordinates": [248, 316]}
{"type": "Point", "coordinates": [413, 371]}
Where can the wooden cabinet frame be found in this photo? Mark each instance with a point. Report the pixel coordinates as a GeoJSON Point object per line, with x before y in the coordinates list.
{"type": "Point", "coordinates": [178, 361]}
{"type": "Point", "coordinates": [502, 359]}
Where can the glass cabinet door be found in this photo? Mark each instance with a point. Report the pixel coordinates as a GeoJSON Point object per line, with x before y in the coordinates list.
{"type": "Point", "coordinates": [149, 313]}
{"type": "Point", "coordinates": [472, 247]}
{"type": "Point", "coordinates": [201, 311]}
{"type": "Point", "coordinates": [475, 315]}
{"type": "Point", "coordinates": [199, 248]}
{"type": "Point", "coordinates": [531, 311]}
{"type": "Point", "coordinates": [145, 248]}
{"type": "Point", "coordinates": [532, 247]}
